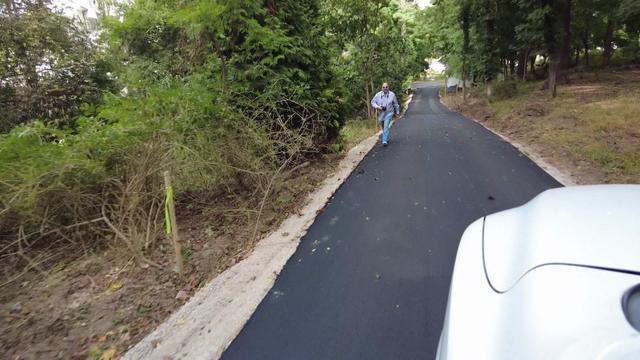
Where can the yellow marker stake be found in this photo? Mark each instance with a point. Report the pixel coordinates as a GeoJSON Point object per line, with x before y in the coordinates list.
{"type": "Point", "coordinates": [170, 221]}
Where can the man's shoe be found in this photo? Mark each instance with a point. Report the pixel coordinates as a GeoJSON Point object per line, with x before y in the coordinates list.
{"type": "Point", "coordinates": [384, 144]}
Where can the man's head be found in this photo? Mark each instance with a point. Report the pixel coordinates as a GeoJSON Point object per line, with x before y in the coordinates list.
{"type": "Point", "coordinates": [385, 88]}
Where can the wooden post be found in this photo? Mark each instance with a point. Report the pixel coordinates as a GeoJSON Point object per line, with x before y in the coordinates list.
{"type": "Point", "coordinates": [174, 224]}
{"type": "Point", "coordinates": [446, 84]}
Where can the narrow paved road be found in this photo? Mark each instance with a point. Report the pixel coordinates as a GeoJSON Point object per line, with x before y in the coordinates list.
{"type": "Point", "coordinates": [371, 277]}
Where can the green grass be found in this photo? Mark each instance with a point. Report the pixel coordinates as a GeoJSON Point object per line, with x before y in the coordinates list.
{"type": "Point", "coordinates": [354, 131]}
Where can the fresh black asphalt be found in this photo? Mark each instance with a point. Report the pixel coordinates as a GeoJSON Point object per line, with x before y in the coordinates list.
{"type": "Point", "coordinates": [370, 279]}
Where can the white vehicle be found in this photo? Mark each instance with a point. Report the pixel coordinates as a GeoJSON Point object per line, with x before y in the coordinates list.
{"type": "Point", "coordinates": [556, 278]}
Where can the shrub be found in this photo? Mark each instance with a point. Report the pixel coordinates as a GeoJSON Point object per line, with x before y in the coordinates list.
{"type": "Point", "coordinates": [503, 90]}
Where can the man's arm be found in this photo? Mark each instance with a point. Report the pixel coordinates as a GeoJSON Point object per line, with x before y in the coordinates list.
{"type": "Point", "coordinates": [374, 102]}
{"type": "Point", "coordinates": [396, 105]}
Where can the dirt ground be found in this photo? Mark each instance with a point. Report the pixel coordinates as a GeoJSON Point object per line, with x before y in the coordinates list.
{"type": "Point", "coordinates": [96, 307]}
{"type": "Point", "coordinates": [590, 131]}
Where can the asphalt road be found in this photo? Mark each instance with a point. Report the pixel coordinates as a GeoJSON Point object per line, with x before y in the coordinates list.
{"type": "Point", "coordinates": [371, 277]}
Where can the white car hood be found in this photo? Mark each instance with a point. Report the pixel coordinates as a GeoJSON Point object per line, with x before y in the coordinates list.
{"type": "Point", "coordinates": [595, 226]}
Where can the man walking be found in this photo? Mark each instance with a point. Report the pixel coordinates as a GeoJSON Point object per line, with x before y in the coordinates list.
{"type": "Point", "coordinates": [386, 103]}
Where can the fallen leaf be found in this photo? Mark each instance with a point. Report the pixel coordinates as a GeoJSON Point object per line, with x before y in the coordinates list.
{"type": "Point", "coordinates": [114, 285]}
{"type": "Point", "coordinates": [108, 354]}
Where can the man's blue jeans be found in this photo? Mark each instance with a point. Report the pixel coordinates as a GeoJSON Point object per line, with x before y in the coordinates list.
{"type": "Point", "coordinates": [385, 118]}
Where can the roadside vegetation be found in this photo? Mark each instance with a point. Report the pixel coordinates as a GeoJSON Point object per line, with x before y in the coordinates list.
{"type": "Point", "coordinates": [243, 102]}
{"type": "Point", "coordinates": [560, 77]}
{"type": "Point", "coordinates": [591, 130]}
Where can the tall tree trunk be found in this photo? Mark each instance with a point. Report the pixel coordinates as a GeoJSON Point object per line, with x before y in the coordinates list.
{"type": "Point", "coordinates": [368, 101]}
{"type": "Point", "coordinates": [512, 65]}
{"type": "Point", "coordinates": [577, 57]}
{"type": "Point", "coordinates": [465, 15]}
{"type": "Point", "coordinates": [491, 61]}
{"type": "Point", "coordinates": [585, 43]}
{"type": "Point", "coordinates": [522, 64]}
{"type": "Point", "coordinates": [565, 46]}
{"type": "Point", "coordinates": [532, 60]}
{"type": "Point", "coordinates": [637, 50]}
{"type": "Point", "coordinates": [557, 37]}
{"type": "Point", "coordinates": [608, 43]}
{"type": "Point", "coordinates": [554, 67]}
{"type": "Point", "coordinates": [505, 68]}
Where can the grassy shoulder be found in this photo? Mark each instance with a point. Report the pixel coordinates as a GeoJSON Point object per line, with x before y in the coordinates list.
{"type": "Point", "coordinates": [591, 130]}
{"type": "Point", "coordinates": [353, 132]}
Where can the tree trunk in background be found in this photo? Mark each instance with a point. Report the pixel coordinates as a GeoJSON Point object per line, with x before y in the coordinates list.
{"type": "Point", "coordinates": [565, 45]}
{"type": "Point", "coordinates": [532, 60]}
{"type": "Point", "coordinates": [637, 51]}
{"type": "Point", "coordinates": [446, 85]}
{"type": "Point", "coordinates": [505, 68]}
{"type": "Point", "coordinates": [577, 57]}
{"type": "Point", "coordinates": [557, 38]}
{"type": "Point", "coordinates": [585, 43]}
{"type": "Point", "coordinates": [608, 44]}
{"type": "Point", "coordinates": [490, 61]}
{"type": "Point", "coordinates": [512, 66]}
{"type": "Point", "coordinates": [368, 101]}
{"type": "Point", "coordinates": [522, 64]}
{"type": "Point", "coordinates": [465, 19]}
{"type": "Point", "coordinates": [554, 68]}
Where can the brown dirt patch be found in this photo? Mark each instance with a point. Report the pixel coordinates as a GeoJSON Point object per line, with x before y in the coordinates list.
{"type": "Point", "coordinates": [533, 110]}
{"type": "Point", "coordinates": [103, 303]}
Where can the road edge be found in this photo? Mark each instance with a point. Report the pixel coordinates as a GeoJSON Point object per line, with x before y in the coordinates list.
{"type": "Point", "coordinates": [560, 176]}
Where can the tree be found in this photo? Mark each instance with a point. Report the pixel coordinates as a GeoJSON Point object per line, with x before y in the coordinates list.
{"type": "Point", "coordinates": [629, 14]}
{"type": "Point", "coordinates": [266, 56]}
{"type": "Point", "coordinates": [49, 67]}
{"type": "Point", "coordinates": [374, 41]}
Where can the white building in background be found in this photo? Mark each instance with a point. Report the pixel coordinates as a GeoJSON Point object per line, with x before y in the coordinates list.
{"type": "Point", "coordinates": [436, 66]}
{"type": "Point", "coordinates": [80, 8]}
{"type": "Point", "coordinates": [87, 12]}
